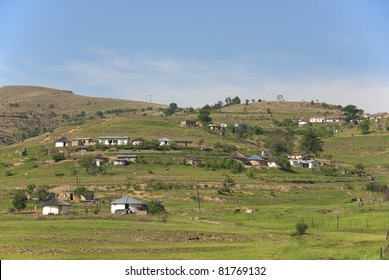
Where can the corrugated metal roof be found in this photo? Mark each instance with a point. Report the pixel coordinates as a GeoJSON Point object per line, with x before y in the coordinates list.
{"type": "Point", "coordinates": [126, 200]}
{"type": "Point", "coordinates": [254, 157]}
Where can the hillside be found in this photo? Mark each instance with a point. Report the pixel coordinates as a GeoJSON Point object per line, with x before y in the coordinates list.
{"type": "Point", "coordinates": [27, 111]}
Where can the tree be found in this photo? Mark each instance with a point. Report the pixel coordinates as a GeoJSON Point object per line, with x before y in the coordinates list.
{"type": "Point", "coordinates": [89, 164]}
{"type": "Point", "coordinates": [280, 98]}
{"type": "Point", "coordinates": [247, 102]}
{"type": "Point", "coordinates": [58, 157]}
{"type": "Point", "coordinates": [19, 201]}
{"type": "Point", "coordinates": [310, 142]}
{"type": "Point", "coordinates": [171, 109]}
{"type": "Point", "coordinates": [352, 113]}
{"type": "Point", "coordinates": [364, 127]}
{"type": "Point", "coordinates": [236, 100]}
{"type": "Point", "coordinates": [279, 143]}
{"type": "Point", "coordinates": [284, 164]}
{"type": "Point", "coordinates": [301, 228]}
{"type": "Point", "coordinates": [204, 116]}
{"type": "Point", "coordinates": [227, 186]}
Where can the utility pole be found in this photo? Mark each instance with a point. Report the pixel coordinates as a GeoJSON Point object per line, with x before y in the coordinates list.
{"type": "Point", "coordinates": [198, 200]}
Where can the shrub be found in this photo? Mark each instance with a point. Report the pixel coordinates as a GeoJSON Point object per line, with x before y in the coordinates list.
{"type": "Point", "coordinates": [301, 228]}
{"type": "Point", "coordinates": [58, 157]}
{"type": "Point", "coordinates": [376, 187]}
{"type": "Point", "coordinates": [155, 207]}
{"type": "Point", "coordinates": [96, 210]}
{"type": "Point", "coordinates": [19, 201]}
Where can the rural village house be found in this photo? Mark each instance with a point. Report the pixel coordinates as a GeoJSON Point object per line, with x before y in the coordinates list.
{"type": "Point", "coordinates": [55, 206]}
{"type": "Point", "coordinates": [188, 123]}
{"type": "Point", "coordinates": [63, 142]}
{"type": "Point", "coordinates": [164, 141]}
{"type": "Point", "coordinates": [255, 160]}
{"type": "Point", "coordinates": [85, 141]}
{"type": "Point", "coordinates": [137, 141]}
{"type": "Point", "coordinates": [239, 157]}
{"type": "Point", "coordinates": [124, 160]}
{"type": "Point", "coordinates": [128, 205]}
{"type": "Point", "coordinates": [114, 140]}
{"type": "Point", "coordinates": [101, 159]}
{"type": "Point", "coordinates": [311, 164]}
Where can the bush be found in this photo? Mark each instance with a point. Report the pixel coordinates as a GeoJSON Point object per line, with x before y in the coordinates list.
{"type": "Point", "coordinates": [301, 228]}
{"type": "Point", "coordinates": [376, 187]}
{"type": "Point", "coordinates": [96, 211]}
{"type": "Point", "coordinates": [58, 157]}
{"type": "Point", "coordinates": [19, 201]}
{"type": "Point", "coordinates": [155, 207]}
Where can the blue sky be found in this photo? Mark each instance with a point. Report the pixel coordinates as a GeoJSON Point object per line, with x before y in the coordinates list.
{"type": "Point", "coordinates": [199, 52]}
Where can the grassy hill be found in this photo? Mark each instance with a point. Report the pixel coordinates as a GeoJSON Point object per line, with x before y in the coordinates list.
{"type": "Point", "coordinates": [275, 200]}
{"type": "Point", "coordinates": [27, 111]}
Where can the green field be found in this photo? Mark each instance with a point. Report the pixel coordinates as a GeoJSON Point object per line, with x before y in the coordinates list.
{"type": "Point", "coordinates": [339, 227]}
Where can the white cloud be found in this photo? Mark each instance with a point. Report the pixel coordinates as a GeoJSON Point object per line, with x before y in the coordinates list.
{"type": "Point", "coordinates": [196, 83]}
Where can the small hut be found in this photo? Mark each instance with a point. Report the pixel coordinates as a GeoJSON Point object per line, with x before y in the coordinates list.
{"type": "Point", "coordinates": [255, 160]}
{"type": "Point", "coordinates": [55, 206]}
{"type": "Point", "coordinates": [239, 157]}
{"type": "Point", "coordinates": [128, 205]}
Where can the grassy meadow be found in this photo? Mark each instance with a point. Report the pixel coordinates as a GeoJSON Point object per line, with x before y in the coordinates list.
{"type": "Point", "coordinates": [201, 222]}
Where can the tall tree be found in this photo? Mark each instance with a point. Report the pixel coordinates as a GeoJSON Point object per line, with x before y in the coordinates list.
{"type": "Point", "coordinates": [364, 126]}
{"type": "Point", "coordinates": [310, 142]}
{"type": "Point", "coordinates": [19, 201]}
{"type": "Point", "coordinates": [204, 116]}
{"type": "Point", "coordinates": [171, 109]}
{"type": "Point", "coordinates": [352, 113]}
{"type": "Point", "coordinates": [279, 143]}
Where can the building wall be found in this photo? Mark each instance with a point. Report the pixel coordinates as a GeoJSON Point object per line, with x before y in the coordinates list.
{"type": "Point", "coordinates": [55, 210]}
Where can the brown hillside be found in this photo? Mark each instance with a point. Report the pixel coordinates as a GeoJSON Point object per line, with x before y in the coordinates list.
{"type": "Point", "coordinates": [26, 111]}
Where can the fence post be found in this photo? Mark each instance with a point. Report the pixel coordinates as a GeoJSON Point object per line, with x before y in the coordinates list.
{"type": "Point", "coordinates": [380, 253]}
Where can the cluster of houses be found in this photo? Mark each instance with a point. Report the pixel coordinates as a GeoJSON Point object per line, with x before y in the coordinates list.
{"type": "Point", "coordinates": [112, 141]}
{"type": "Point", "coordinates": [340, 119]}
{"type": "Point", "coordinates": [295, 160]}
{"type": "Point", "coordinates": [124, 205]}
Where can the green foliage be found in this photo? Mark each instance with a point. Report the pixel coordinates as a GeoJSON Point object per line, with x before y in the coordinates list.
{"type": "Point", "coordinates": [204, 116]}
{"type": "Point", "coordinates": [352, 113]}
{"type": "Point", "coordinates": [217, 164]}
{"type": "Point", "coordinates": [359, 169]}
{"type": "Point", "coordinates": [171, 109]}
{"type": "Point", "coordinates": [279, 143]}
{"type": "Point", "coordinates": [19, 201]}
{"type": "Point", "coordinates": [364, 127]}
{"type": "Point", "coordinates": [284, 164]}
{"type": "Point", "coordinates": [376, 187]}
{"type": "Point", "coordinates": [96, 210]}
{"type": "Point", "coordinates": [228, 148]}
{"type": "Point", "coordinates": [301, 228]}
{"type": "Point", "coordinates": [89, 164]}
{"type": "Point", "coordinates": [155, 207]}
{"type": "Point", "coordinates": [310, 142]}
{"type": "Point", "coordinates": [100, 114]}
{"type": "Point", "coordinates": [329, 170]}
{"type": "Point", "coordinates": [42, 193]}
{"type": "Point", "coordinates": [57, 157]}
{"type": "Point", "coordinates": [228, 184]}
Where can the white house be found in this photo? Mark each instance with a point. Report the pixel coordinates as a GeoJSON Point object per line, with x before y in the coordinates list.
{"type": "Point", "coordinates": [137, 141]}
{"type": "Point", "coordinates": [311, 164]}
{"type": "Point", "coordinates": [317, 120]}
{"type": "Point", "coordinates": [55, 206]}
{"type": "Point", "coordinates": [126, 205]}
{"type": "Point", "coordinates": [302, 121]}
{"type": "Point", "coordinates": [114, 140]}
{"type": "Point", "coordinates": [63, 142]}
{"type": "Point", "coordinates": [124, 160]}
{"type": "Point", "coordinates": [164, 141]}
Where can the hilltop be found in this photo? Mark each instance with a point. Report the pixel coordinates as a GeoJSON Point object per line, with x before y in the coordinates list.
{"type": "Point", "coordinates": [27, 111]}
